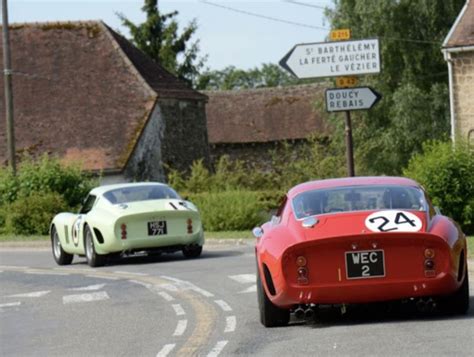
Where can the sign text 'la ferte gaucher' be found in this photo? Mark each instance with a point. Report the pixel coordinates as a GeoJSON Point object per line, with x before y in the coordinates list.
{"type": "Point", "coordinates": [331, 59]}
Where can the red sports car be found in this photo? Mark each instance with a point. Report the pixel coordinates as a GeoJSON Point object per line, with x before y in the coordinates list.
{"type": "Point", "coordinates": [358, 240]}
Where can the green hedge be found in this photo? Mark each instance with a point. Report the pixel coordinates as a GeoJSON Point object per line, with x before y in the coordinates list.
{"type": "Point", "coordinates": [32, 214]}
{"type": "Point", "coordinates": [447, 174]}
{"type": "Point", "coordinates": [230, 210]}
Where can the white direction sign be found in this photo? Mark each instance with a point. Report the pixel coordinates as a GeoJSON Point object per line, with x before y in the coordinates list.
{"type": "Point", "coordinates": [338, 100]}
{"type": "Point", "coordinates": [331, 59]}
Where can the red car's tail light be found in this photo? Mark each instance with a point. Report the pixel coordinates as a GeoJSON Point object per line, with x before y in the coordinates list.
{"type": "Point", "coordinates": [301, 261]}
{"type": "Point", "coordinates": [123, 227]}
{"type": "Point", "coordinates": [429, 253]}
{"type": "Point", "coordinates": [302, 275]}
{"type": "Point", "coordinates": [429, 264]}
{"type": "Point", "coordinates": [302, 270]}
{"type": "Point", "coordinates": [190, 225]}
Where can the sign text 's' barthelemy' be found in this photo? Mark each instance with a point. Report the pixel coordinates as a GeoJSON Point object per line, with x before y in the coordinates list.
{"type": "Point", "coordinates": [330, 59]}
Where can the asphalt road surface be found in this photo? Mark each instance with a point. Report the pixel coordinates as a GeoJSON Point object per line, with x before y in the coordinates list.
{"type": "Point", "coordinates": [170, 306]}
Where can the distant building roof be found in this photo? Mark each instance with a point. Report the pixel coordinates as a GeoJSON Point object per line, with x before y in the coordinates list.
{"type": "Point", "coordinates": [264, 115]}
{"type": "Point", "coordinates": [462, 32]}
{"type": "Point", "coordinates": [83, 92]}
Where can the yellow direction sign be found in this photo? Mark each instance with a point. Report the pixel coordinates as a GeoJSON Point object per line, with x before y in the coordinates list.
{"type": "Point", "coordinates": [346, 82]}
{"type": "Point", "coordinates": [338, 35]}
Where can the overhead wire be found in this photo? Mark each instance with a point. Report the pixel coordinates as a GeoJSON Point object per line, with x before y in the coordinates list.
{"type": "Point", "coordinates": [233, 9]}
{"type": "Point", "coordinates": [321, 28]}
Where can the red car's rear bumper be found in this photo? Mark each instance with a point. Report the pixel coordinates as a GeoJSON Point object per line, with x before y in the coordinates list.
{"type": "Point", "coordinates": [404, 274]}
{"type": "Point", "coordinates": [364, 291]}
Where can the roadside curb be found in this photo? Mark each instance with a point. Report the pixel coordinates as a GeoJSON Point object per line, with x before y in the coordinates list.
{"type": "Point", "coordinates": [41, 245]}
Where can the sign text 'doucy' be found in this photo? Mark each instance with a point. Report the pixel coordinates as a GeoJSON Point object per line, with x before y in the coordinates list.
{"type": "Point", "coordinates": [331, 59]}
{"type": "Point", "coordinates": [359, 98]}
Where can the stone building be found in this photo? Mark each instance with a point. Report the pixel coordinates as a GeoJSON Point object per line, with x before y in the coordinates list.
{"type": "Point", "coordinates": [84, 93]}
{"type": "Point", "coordinates": [458, 49]}
{"type": "Point", "coordinates": [248, 124]}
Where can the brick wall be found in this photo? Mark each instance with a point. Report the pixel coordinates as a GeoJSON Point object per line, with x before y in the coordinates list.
{"type": "Point", "coordinates": [463, 88]}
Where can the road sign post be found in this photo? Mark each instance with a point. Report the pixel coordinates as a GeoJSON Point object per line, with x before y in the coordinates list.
{"type": "Point", "coordinates": [341, 58]}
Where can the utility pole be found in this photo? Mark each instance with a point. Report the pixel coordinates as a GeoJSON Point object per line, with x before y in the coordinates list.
{"type": "Point", "coordinates": [7, 74]}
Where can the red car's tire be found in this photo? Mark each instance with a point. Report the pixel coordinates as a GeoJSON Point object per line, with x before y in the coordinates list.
{"type": "Point", "coordinates": [93, 259]}
{"type": "Point", "coordinates": [270, 315]}
{"type": "Point", "coordinates": [59, 255]}
{"type": "Point", "coordinates": [458, 302]}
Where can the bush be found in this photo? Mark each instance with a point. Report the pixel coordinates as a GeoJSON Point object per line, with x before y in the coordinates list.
{"type": "Point", "coordinates": [447, 174]}
{"type": "Point", "coordinates": [33, 214]}
{"type": "Point", "coordinates": [230, 210]}
{"type": "Point", "coordinates": [45, 175]}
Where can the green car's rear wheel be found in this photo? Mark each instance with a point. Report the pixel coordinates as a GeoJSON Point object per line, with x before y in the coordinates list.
{"type": "Point", "coordinates": [192, 251]}
{"type": "Point", "coordinates": [60, 256]}
{"type": "Point", "coordinates": [93, 259]}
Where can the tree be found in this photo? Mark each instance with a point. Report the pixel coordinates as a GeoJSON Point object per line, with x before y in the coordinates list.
{"type": "Point", "coordinates": [158, 37]}
{"type": "Point", "coordinates": [413, 80]}
{"type": "Point", "coordinates": [230, 78]}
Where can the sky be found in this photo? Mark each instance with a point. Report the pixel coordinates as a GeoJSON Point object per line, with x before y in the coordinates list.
{"type": "Point", "coordinates": [238, 33]}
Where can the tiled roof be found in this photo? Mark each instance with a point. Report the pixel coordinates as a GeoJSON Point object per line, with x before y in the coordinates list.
{"type": "Point", "coordinates": [264, 115]}
{"type": "Point", "coordinates": [462, 33]}
{"type": "Point", "coordinates": [82, 92]}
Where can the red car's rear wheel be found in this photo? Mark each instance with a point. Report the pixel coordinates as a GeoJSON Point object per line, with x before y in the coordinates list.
{"type": "Point", "coordinates": [270, 315]}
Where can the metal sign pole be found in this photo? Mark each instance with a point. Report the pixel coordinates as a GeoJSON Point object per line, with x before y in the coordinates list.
{"type": "Point", "coordinates": [7, 71]}
{"type": "Point", "coordinates": [349, 146]}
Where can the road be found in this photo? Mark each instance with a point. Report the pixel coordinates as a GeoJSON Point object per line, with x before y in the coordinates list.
{"type": "Point", "coordinates": [170, 306]}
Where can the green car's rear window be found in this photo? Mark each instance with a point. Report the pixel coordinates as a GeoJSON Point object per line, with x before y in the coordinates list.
{"type": "Point", "coordinates": [140, 193]}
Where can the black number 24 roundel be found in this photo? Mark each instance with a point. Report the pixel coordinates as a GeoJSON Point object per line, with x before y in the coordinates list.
{"type": "Point", "coordinates": [393, 221]}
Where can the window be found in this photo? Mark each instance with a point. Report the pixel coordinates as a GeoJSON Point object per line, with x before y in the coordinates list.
{"type": "Point", "coordinates": [357, 198]}
{"type": "Point", "coordinates": [140, 193]}
{"type": "Point", "coordinates": [88, 204]}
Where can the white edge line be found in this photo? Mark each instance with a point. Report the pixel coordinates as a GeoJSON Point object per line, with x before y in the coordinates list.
{"type": "Point", "coordinates": [165, 350]}
{"type": "Point", "coordinates": [217, 349]}
{"type": "Point", "coordinates": [129, 273]}
{"type": "Point", "coordinates": [40, 272]}
{"type": "Point", "coordinates": [230, 324]}
{"type": "Point", "coordinates": [223, 305]}
{"type": "Point", "coordinates": [10, 304]}
{"type": "Point", "coordinates": [180, 327]}
{"type": "Point", "coordinates": [103, 277]}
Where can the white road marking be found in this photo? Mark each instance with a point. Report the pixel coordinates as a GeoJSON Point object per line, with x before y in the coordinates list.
{"type": "Point", "coordinates": [169, 287]}
{"type": "Point", "coordinates": [129, 273]}
{"type": "Point", "coordinates": [100, 295]}
{"type": "Point", "coordinates": [44, 272]}
{"type": "Point", "coordinates": [89, 287]}
{"type": "Point", "coordinates": [142, 283]}
{"type": "Point", "coordinates": [165, 350]}
{"type": "Point", "coordinates": [186, 285]}
{"type": "Point", "coordinates": [32, 295]}
{"type": "Point", "coordinates": [178, 309]}
{"type": "Point", "coordinates": [244, 278]}
{"type": "Point", "coordinates": [180, 327]}
{"type": "Point", "coordinates": [223, 305]}
{"type": "Point", "coordinates": [7, 267]}
{"type": "Point", "coordinates": [251, 289]}
{"type": "Point", "coordinates": [103, 277]}
{"type": "Point", "coordinates": [230, 324]}
{"type": "Point", "coordinates": [10, 304]}
{"type": "Point", "coordinates": [165, 296]}
{"type": "Point", "coordinates": [217, 349]}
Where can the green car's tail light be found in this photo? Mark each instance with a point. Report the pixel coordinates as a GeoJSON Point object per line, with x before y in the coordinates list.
{"type": "Point", "coordinates": [124, 230]}
{"type": "Point", "coordinates": [190, 225]}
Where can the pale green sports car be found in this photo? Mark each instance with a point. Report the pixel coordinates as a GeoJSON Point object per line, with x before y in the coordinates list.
{"type": "Point", "coordinates": [127, 218]}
